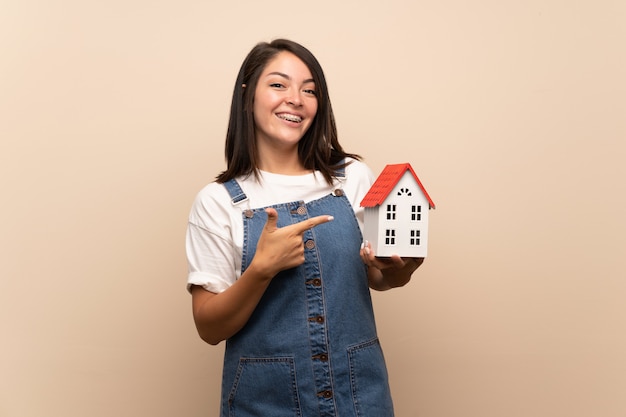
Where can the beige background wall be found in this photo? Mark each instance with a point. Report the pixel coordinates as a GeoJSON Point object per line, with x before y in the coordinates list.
{"type": "Point", "coordinates": [112, 117]}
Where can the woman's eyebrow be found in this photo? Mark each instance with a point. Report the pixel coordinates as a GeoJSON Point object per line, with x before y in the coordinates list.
{"type": "Point", "coordinates": [287, 77]}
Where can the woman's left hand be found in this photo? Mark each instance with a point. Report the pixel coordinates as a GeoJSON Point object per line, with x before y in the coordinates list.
{"type": "Point", "coordinates": [386, 273]}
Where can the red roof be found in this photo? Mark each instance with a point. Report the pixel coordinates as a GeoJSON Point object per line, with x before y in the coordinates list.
{"type": "Point", "coordinates": [385, 183]}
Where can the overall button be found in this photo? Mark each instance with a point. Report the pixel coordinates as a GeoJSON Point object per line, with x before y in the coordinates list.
{"type": "Point", "coordinates": [309, 244]}
{"type": "Point", "coordinates": [338, 192]}
{"type": "Point", "coordinates": [316, 282]}
{"type": "Point", "coordinates": [301, 210]}
{"type": "Point", "coordinates": [248, 214]}
{"type": "Point", "coordinates": [326, 394]}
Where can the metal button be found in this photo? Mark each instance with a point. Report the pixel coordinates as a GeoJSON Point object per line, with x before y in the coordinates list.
{"type": "Point", "coordinates": [309, 244]}
{"type": "Point", "coordinates": [248, 213]}
{"type": "Point", "coordinates": [325, 394]}
{"type": "Point", "coordinates": [316, 282]}
{"type": "Point", "coordinates": [338, 192]}
{"type": "Point", "coordinates": [301, 210]}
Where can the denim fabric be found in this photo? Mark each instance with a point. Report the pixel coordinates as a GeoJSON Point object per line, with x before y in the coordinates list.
{"type": "Point", "coordinates": [310, 348]}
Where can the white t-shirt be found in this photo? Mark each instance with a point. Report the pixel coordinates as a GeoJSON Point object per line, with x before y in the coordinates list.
{"type": "Point", "coordinates": [214, 239]}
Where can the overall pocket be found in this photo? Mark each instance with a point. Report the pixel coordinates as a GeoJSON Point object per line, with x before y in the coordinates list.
{"type": "Point", "coordinates": [265, 387]}
{"type": "Point", "coordinates": [369, 380]}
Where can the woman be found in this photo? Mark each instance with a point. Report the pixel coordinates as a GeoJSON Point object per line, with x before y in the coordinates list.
{"type": "Point", "coordinates": [276, 264]}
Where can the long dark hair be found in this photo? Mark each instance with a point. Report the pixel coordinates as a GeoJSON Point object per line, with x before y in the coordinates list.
{"type": "Point", "coordinates": [319, 148]}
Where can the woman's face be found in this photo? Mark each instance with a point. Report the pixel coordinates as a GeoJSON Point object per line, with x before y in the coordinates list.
{"type": "Point", "coordinates": [284, 102]}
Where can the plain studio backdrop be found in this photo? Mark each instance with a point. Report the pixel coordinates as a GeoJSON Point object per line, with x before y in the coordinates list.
{"type": "Point", "coordinates": [513, 114]}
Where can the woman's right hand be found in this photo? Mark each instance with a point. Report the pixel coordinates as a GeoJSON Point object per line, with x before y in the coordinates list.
{"type": "Point", "coordinates": [218, 316]}
{"type": "Point", "coordinates": [281, 248]}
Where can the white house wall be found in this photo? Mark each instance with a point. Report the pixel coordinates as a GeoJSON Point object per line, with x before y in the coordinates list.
{"type": "Point", "coordinates": [403, 223]}
{"type": "Point", "coordinates": [371, 230]}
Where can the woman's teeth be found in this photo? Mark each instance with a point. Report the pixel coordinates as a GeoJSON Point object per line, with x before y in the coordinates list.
{"type": "Point", "coordinates": [290, 117]}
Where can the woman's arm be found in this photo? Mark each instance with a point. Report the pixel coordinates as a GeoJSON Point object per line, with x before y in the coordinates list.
{"type": "Point", "coordinates": [220, 316]}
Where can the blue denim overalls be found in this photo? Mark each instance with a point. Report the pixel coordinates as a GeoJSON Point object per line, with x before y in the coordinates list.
{"type": "Point", "coordinates": [310, 348]}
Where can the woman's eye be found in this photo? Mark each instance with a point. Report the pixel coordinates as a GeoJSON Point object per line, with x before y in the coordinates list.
{"type": "Point", "coordinates": [276, 85]}
{"type": "Point", "coordinates": [312, 92]}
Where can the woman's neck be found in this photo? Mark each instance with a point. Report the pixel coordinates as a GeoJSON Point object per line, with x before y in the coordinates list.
{"type": "Point", "coordinates": [282, 163]}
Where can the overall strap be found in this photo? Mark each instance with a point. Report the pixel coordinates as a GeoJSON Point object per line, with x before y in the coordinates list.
{"type": "Point", "coordinates": [339, 177]}
{"type": "Point", "coordinates": [341, 172]}
{"type": "Point", "coordinates": [235, 191]}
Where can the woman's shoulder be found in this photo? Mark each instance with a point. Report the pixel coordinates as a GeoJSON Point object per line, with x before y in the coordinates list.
{"type": "Point", "coordinates": [213, 200]}
{"type": "Point", "coordinates": [359, 171]}
{"type": "Point", "coordinates": [212, 192]}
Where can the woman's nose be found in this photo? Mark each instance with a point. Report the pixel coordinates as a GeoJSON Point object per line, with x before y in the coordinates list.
{"type": "Point", "coordinates": [294, 98]}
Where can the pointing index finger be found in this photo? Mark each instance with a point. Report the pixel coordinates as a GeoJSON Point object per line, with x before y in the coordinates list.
{"type": "Point", "coordinates": [312, 222]}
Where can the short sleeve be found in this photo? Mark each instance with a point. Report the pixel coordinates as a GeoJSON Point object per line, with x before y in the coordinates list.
{"type": "Point", "coordinates": [210, 248]}
{"type": "Point", "coordinates": [359, 179]}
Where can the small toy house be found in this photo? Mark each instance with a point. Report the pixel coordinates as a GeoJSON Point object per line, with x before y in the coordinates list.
{"type": "Point", "coordinates": [396, 213]}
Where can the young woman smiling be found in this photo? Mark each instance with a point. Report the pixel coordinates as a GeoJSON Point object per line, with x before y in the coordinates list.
{"type": "Point", "coordinates": [277, 267]}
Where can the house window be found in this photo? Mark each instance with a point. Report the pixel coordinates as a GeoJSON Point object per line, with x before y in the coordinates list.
{"type": "Point", "coordinates": [415, 237]}
{"type": "Point", "coordinates": [416, 213]}
{"type": "Point", "coordinates": [391, 211]}
{"type": "Point", "coordinates": [390, 237]}
{"type": "Point", "coordinates": [404, 191]}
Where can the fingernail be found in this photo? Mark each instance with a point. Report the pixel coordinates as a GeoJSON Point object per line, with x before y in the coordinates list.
{"type": "Point", "coordinates": [362, 245]}
{"type": "Point", "coordinates": [367, 250]}
{"type": "Point", "coordinates": [331, 218]}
